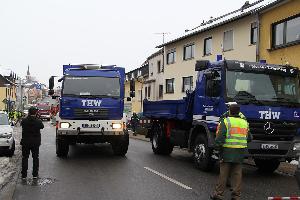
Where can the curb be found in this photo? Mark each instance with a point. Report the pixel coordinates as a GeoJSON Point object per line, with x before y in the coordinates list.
{"type": "Point", "coordinates": [139, 138]}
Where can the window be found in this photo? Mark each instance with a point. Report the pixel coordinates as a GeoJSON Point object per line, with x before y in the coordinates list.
{"type": "Point", "coordinates": [228, 40]}
{"type": "Point", "coordinates": [171, 57]}
{"type": "Point", "coordinates": [208, 46]}
{"type": "Point", "coordinates": [161, 91]}
{"type": "Point", "coordinates": [187, 83]}
{"type": "Point", "coordinates": [286, 32]}
{"type": "Point", "coordinates": [213, 84]}
{"type": "Point", "coordinates": [149, 91]}
{"type": "Point", "coordinates": [254, 29]}
{"type": "Point", "coordinates": [159, 69]}
{"type": "Point", "coordinates": [189, 51]}
{"type": "Point", "coordinates": [170, 85]}
{"type": "Point", "coordinates": [146, 92]}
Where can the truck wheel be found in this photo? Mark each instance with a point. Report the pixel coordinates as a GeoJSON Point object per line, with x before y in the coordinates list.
{"type": "Point", "coordinates": [160, 144]}
{"type": "Point", "coordinates": [120, 146]}
{"type": "Point", "coordinates": [12, 151]}
{"type": "Point", "coordinates": [266, 165]}
{"type": "Point", "coordinates": [202, 154]}
{"type": "Point", "coordinates": [62, 148]}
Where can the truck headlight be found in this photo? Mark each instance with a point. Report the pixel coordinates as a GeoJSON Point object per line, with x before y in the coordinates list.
{"type": "Point", "coordinates": [296, 147]}
{"type": "Point", "coordinates": [65, 125]}
{"type": "Point", "coordinates": [116, 125]}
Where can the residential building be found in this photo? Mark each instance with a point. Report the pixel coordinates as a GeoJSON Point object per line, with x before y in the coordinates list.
{"type": "Point", "coordinates": [279, 41]}
{"type": "Point", "coordinates": [139, 75]}
{"type": "Point", "coordinates": [153, 86]}
{"type": "Point", "coordinates": [7, 89]}
{"type": "Point", "coordinates": [231, 36]}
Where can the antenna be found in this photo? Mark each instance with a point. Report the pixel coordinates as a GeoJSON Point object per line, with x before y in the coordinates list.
{"type": "Point", "coordinates": [163, 34]}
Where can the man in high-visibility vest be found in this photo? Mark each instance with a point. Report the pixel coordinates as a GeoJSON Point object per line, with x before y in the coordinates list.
{"type": "Point", "coordinates": [231, 141]}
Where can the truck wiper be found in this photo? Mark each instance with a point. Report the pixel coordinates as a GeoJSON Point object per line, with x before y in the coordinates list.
{"type": "Point", "coordinates": [70, 95]}
{"type": "Point", "coordinates": [281, 98]}
{"type": "Point", "coordinates": [99, 96]}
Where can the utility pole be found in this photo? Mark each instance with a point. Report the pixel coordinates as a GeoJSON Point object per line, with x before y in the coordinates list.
{"type": "Point", "coordinates": [163, 37]}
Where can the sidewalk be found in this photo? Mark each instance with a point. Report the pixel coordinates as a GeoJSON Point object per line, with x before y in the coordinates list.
{"type": "Point", "coordinates": [138, 136]}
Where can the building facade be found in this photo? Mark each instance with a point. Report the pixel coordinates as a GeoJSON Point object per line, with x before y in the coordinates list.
{"type": "Point", "coordinates": [153, 89]}
{"type": "Point", "coordinates": [232, 36]}
{"type": "Point", "coordinates": [139, 75]}
{"type": "Point", "coordinates": [279, 41]}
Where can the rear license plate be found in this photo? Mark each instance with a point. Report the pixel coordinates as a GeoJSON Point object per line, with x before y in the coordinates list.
{"type": "Point", "coordinates": [269, 146]}
{"type": "Point", "coordinates": [90, 125]}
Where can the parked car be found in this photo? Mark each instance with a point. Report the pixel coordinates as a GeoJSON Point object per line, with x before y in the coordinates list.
{"type": "Point", "coordinates": [7, 141]}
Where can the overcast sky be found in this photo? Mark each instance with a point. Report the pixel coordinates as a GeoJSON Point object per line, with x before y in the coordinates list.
{"type": "Point", "coordinates": [46, 34]}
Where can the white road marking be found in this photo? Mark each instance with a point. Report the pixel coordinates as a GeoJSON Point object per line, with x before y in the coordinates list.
{"type": "Point", "coordinates": [168, 178]}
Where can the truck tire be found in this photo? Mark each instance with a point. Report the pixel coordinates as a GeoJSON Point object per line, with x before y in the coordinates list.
{"type": "Point", "coordinates": [120, 147]}
{"type": "Point", "coordinates": [62, 148]}
{"type": "Point", "coordinates": [266, 165]}
{"type": "Point", "coordinates": [160, 144]}
{"type": "Point", "coordinates": [202, 154]}
{"type": "Point", "coordinates": [11, 152]}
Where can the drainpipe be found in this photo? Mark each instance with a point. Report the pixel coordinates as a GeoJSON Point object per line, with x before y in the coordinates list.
{"type": "Point", "coordinates": [258, 37]}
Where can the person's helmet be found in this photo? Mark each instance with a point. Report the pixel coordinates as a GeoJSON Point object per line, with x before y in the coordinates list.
{"type": "Point", "coordinates": [32, 110]}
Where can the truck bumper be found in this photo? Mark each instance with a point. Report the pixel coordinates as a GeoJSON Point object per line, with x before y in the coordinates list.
{"type": "Point", "coordinates": [286, 149]}
{"type": "Point", "coordinates": [91, 128]}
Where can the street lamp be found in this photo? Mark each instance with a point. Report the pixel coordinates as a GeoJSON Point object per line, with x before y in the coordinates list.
{"type": "Point", "coordinates": [141, 80]}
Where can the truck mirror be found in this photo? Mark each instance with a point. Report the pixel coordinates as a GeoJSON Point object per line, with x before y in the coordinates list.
{"type": "Point", "coordinates": [132, 93]}
{"type": "Point", "coordinates": [50, 92]}
{"type": "Point", "coordinates": [51, 82]}
{"type": "Point", "coordinates": [128, 98]}
{"type": "Point", "coordinates": [54, 97]}
{"type": "Point", "coordinates": [201, 65]}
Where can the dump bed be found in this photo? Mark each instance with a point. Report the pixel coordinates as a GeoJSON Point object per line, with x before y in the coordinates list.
{"type": "Point", "coordinates": [169, 109]}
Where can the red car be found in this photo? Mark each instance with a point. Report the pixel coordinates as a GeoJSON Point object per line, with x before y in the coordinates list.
{"type": "Point", "coordinates": [44, 111]}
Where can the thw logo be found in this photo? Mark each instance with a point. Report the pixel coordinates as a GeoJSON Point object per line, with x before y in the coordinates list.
{"type": "Point", "coordinates": [269, 114]}
{"type": "Point", "coordinates": [91, 103]}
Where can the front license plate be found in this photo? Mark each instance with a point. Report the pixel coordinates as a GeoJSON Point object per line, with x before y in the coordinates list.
{"type": "Point", "coordinates": [90, 125]}
{"type": "Point", "coordinates": [269, 146]}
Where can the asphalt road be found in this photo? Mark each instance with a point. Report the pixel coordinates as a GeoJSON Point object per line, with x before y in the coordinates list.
{"type": "Point", "coordinates": [93, 172]}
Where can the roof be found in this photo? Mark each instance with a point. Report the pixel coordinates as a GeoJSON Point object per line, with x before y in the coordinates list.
{"type": "Point", "coordinates": [246, 10]}
{"type": "Point", "coordinates": [157, 53]}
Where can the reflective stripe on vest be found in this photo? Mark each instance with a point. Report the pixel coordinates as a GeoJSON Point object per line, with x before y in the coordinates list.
{"type": "Point", "coordinates": [236, 135]}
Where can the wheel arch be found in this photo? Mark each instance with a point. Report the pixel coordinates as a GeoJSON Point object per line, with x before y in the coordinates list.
{"type": "Point", "coordinates": [197, 129]}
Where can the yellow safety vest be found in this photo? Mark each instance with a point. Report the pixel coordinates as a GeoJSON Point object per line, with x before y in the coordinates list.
{"type": "Point", "coordinates": [237, 131]}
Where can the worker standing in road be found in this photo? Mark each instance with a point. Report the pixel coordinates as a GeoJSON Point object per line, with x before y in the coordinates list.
{"type": "Point", "coordinates": [231, 141]}
{"type": "Point", "coordinates": [31, 141]}
{"type": "Point", "coordinates": [134, 122]}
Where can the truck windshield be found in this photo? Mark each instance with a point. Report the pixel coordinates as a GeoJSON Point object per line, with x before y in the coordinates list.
{"type": "Point", "coordinates": [43, 107]}
{"type": "Point", "coordinates": [3, 119]}
{"type": "Point", "coordinates": [247, 87]}
{"type": "Point", "coordinates": [91, 86]}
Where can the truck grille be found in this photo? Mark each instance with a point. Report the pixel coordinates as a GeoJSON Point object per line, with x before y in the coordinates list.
{"type": "Point", "coordinates": [282, 131]}
{"type": "Point", "coordinates": [91, 113]}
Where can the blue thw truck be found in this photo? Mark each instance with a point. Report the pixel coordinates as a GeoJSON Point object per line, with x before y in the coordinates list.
{"type": "Point", "coordinates": [91, 107]}
{"type": "Point", "coordinates": [269, 98]}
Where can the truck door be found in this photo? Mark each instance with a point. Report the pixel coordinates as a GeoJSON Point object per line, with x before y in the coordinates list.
{"type": "Point", "coordinates": [212, 95]}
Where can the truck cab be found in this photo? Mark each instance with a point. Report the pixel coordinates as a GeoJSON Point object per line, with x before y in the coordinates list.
{"type": "Point", "coordinates": [91, 108]}
{"type": "Point", "coordinates": [269, 98]}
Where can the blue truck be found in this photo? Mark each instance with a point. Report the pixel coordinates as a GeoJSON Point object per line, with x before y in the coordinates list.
{"type": "Point", "coordinates": [269, 98]}
{"type": "Point", "coordinates": [91, 107]}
